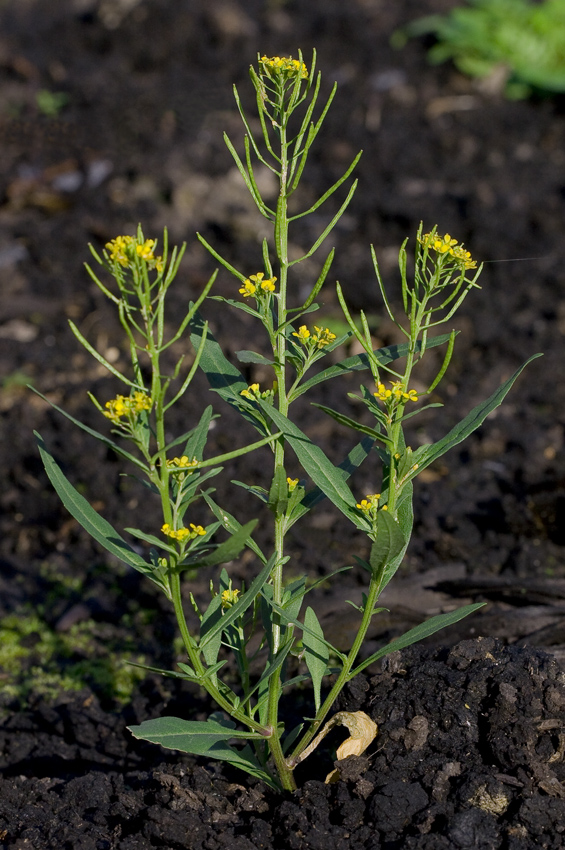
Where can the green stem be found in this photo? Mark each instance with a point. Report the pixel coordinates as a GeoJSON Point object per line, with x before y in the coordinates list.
{"type": "Point", "coordinates": [343, 678]}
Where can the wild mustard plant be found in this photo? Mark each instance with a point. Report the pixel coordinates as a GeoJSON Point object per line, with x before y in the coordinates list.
{"type": "Point", "coordinates": [249, 729]}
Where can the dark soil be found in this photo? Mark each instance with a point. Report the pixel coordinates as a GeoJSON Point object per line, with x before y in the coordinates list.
{"type": "Point", "coordinates": [471, 747]}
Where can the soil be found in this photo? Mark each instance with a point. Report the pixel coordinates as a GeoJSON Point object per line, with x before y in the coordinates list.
{"type": "Point", "coordinates": [470, 750]}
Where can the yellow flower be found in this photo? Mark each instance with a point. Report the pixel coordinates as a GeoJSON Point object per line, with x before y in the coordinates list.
{"type": "Point", "coordinates": [118, 249]}
{"type": "Point", "coordinates": [184, 462]}
{"type": "Point", "coordinates": [448, 245]}
{"type": "Point", "coordinates": [284, 66]}
{"type": "Point", "coordinates": [292, 484]}
{"type": "Point", "coordinates": [370, 503]}
{"type": "Point", "coordinates": [123, 406]}
{"type": "Point", "coordinates": [303, 334]}
{"type": "Point", "coordinates": [229, 597]}
{"type": "Point", "coordinates": [268, 285]}
{"type": "Point", "coordinates": [255, 282]}
{"type": "Point", "coordinates": [398, 391]}
{"type": "Point", "coordinates": [140, 401]}
{"type": "Point", "coordinates": [124, 249]}
{"type": "Point", "coordinates": [322, 337]}
{"type": "Point", "coordinates": [247, 289]}
{"type": "Point", "coordinates": [252, 392]}
{"type": "Point", "coordinates": [181, 534]}
{"type": "Point", "coordinates": [382, 393]}
{"type": "Point", "coordinates": [145, 251]}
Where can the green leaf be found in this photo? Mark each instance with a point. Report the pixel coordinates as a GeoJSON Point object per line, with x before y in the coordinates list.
{"type": "Point", "coordinates": [387, 547]}
{"type": "Point", "coordinates": [321, 470]}
{"type": "Point", "coordinates": [278, 493]}
{"type": "Point", "coordinates": [361, 361]}
{"type": "Point", "coordinates": [424, 630]}
{"type": "Point", "coordinates": [203, 738]}
{"type": "Point", "coordinates": [211, 630]}
{"type": "Point", "coordinates": [426, 455]}
{"type": "Point", "coordinates": [226, 551]}
{"type": "Point", "coordinates": [352, 423]}
{"type": "Point", "coordinates": [252, 357]}
{"type": "Point", "coordinates": [260, 492]}
{"type": "Point", "coordinates": [232, 525]}
{"type": "Point", "coordinates": [107, 442]}
{"type": "Point", "coordinates": [316, 653]}
{"type": "Point", "coordinates": [196, 442]}
{"type": "Point", "coordinates": [222, 376]}
{"type": "Point", "coordinates": [91, 521]}
{"type": "Point", "coordinates": [214, 629]}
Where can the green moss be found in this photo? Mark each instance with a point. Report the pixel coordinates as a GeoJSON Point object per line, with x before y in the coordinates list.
{"type": "Point", "coordinates": [36, 659]}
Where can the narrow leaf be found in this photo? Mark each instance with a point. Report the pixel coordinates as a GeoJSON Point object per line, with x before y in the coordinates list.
{"type": "Point", "coordinates": [322, 471]}
{"type": "Point", "coordinates": [424, 630]}
{"type": "Point", "coordinates": [226, 551]}
{"type": "Point", "coordinates": [387, 547]}
{"type": "Point", "coordinates": [207, 738]}
{"type": "Point", "coordinates": [91, 521]}
{"type": "Point", "coordinates": [426, 455]}
{"type": "Point", "coordinates": [245, 356]}
{"type": "Point", "coordinates": [361, 361]}
{"type": "Point", "coordinates": [316, 653]}
{"type": "Point", "coordinates": [213, 630]}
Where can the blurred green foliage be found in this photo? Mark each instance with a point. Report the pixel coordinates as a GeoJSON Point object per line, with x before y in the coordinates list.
{"type": "Point", "coordinates": [522, 38]}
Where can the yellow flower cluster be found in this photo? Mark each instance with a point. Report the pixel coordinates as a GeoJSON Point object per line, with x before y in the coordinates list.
{"type": "Point", "coordinates": [229, 597]}
{"type": "Point", "coordinates": [284, 66]}
{"type": "Point", "coordinates": [255, 285]}
{"type": "Point", "coordinates": [124, 406]}
{"type": "Point", "coordinates": [370, 505]}
{"type": "Point", "coordinates": [397, 393]}
{"type": "Point", "coordinates": [182, 534]}
{"type": "Point", "coordinates": [124, 249]}
{"type": "Point", "coordinates": [181, 463]}
{"type": "Point", "coordinates": [447, 245]}
{"type": "Point", "coordinates": [253, 392]}
{"type": "Point", "coordinates": [320, 338]}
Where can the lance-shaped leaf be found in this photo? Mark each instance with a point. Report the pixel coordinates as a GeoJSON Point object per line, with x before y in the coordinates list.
{"type": "Point", "coordinates": [387, 547]}
{"type": "Point", "coordinates": [361, 361]}
{"type": "Point", "coordinates": [211, 630]}
{"type": "Point", "coordinates": [424, 630]}
{"type": "Point", "coordinates": [320, 469]}
{"type": "Point", "coordinates": [316, 652]}
{"type": "Point", "coordinates": [226, 551]}
{"type": "Point", "coordinates": [222, 375]}
{"type": "Point", "coordinates": [230, 523]}
{"type": "Point", "coordinates": [103, 439]}
{"type": "Point", "coordinates": [426, 455]}
{"type": "Point", "coordinates": [203, 738]}
{"type": "Point", "coordinates": [91, 521]}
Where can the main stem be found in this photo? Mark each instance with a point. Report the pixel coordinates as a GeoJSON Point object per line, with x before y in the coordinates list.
{"type": "Point", "coordinates": [281, 246]}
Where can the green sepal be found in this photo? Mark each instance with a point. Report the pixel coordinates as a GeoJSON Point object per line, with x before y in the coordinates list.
{"type": "Point", "coordinates": [424, 630]}
{"type": "Point", "coordinates": [92, 522]}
